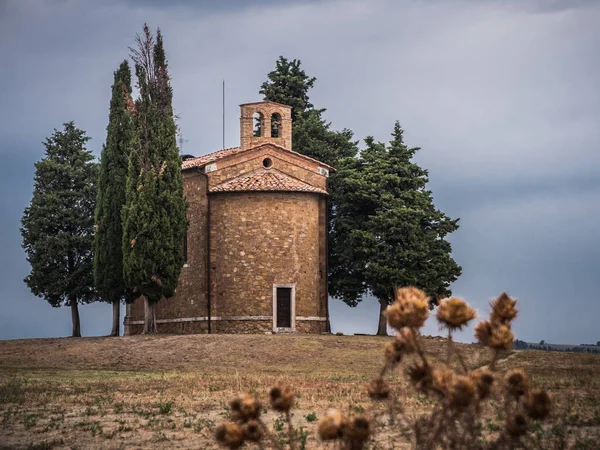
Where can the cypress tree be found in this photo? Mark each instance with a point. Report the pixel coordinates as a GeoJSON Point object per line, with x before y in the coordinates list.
{"type": "Point", "coordinates": [58, 225]}
{"type": "Point", "coordinates": [388, 232]}
{"type": "Point", "coordinates": [154, 221]}
{"type": "Point", "coordinates": [108, 240]}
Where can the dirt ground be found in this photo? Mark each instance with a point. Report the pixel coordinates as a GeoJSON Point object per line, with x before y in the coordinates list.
{"type": "Point", "coordinates": [172, 391]}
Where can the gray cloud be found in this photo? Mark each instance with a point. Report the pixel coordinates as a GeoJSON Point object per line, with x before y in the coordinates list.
{"type": "Point", "coordinates": [500, 95]}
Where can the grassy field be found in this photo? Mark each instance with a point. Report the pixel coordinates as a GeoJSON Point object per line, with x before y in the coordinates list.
{"type": "Point", "coordinates": [171, 391]}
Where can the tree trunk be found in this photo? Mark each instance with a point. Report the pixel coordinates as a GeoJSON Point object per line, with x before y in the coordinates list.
{"type": "Point", "coordinates": [382, 326]}
{"type": "Point", "coordinates": [116, 304]}
{"type": "Point", "coordinates": [149, 317]}
{"type": "Point", "coordinates": [75, 317]}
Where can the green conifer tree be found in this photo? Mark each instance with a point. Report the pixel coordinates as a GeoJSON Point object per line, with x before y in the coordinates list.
{"type": "Point", "coordinates": [387, 230]}
{"type": "Point", "coordinates": [154, 221]}
{"type": "Point", "coordinates": [58, 225]}
{"type": "Point", "coordinates": [108, 240]}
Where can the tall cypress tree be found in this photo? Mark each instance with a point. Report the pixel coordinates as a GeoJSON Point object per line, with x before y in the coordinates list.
{"type": "Point", "coordinates": [58, 226]}
{"type": "Point", "coordinates": [154, 221]}
{"type": "Point", "coordinates": [387, 230]}
{"type": "Point", "coordinates": [108, 241]}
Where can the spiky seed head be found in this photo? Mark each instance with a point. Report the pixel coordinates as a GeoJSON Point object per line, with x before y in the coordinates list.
{"type": "Point", "coordinates": [483, 332]}
{"type": "Point", "coordinates": [516, 425]}
{"type": "Point", "coordinates": [393, 353]}
{"type": "Point", "coordinates": [454, 313]}
{"type": "Point", "coordinates": [483, 379]}
{"type": "Point", "coordinates": [357, 430]}
{"type": "Point", "coordinates": [411, 308]}
{"type": "Point", "coordinates": [282, 400]}
{"type": "Point", "coordinates": [253, 431]}
{"type": "Point", "coordinates": [378, 389]}
{"type": "Point", "coordinates": [537, 404]}
{"type": "Point", "coordinates": [443, 379]}
{"type": "Point", "coordinates": [503, 309]}
{"type": "Point", "coordinates": [230, 435]}
{"type": "Point", "coordinates": [517, 383]}
{"type": "Point", "coordinates": [462, 392]}
{"type": "Point", "coordinates": [331, 426]}
{"type": "Point", "coordinates": [245, 408]}
{"type": "Point", "coordinates": [502, 337]}
{"type": "Point", "coordinates": [420, 375]}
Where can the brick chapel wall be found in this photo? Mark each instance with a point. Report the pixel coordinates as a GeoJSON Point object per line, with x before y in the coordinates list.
{"type": "Point", "coordinates": [265, 238]}
{"type": "Point", "coordinates": [190, 299]}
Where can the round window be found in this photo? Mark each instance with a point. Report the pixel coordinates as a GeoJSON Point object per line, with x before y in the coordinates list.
{"type": "Point", "coordinates": [267, 162]}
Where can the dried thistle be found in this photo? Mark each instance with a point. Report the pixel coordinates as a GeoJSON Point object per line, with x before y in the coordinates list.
{"type": "Point", "coordinates": [503, 309]}
{"type": "Point", "coordinates": [443, 379]}
{"type": "Point", "coordinates": [253, 431]}
{"type": "Point", "coordinates": [483, 332]}
{"type": "Point", "coordinates": [379, 389]}
{"type": "Point", "coordinates": [245, 408]}
{"type": "Point", "coordinates": [331, 426]}
{"type": "Point", "coordinates": [483, 379]}
{"type": "Point", "coordinates": [230, 435]}
{"type": "Point", "coordinates": [420, 375]}
{"type": "Point", "coordinates": [282, 400]}
{"type": "Point", "coordinates": [537, 404]}
{"type": "Point", "coordinates": [517, 383]}
{"type": "Point", "coordinates": [454, 313]}
{"type": "Point", "coordinates": [502, 337]}
{"type": "Point", "coordinates": [411, 308]}
{"type": "Point", "coordinates": [516, 425]}
{"type": "Point", "coordinates": [462, 392]}
{"type": "Point", "coordinates": [406, 338]}
{"type": "Point", "coordinates": [357, 430]}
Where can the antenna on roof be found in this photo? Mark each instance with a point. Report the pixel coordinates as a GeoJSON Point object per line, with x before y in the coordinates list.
{"type": "Point", "coordinates": [223, 113]}
{"type": "Point", "coordinates": [181, 140]}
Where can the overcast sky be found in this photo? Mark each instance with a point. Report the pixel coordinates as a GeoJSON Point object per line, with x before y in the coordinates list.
{"type": "Point", "coordinates": [502, 96]}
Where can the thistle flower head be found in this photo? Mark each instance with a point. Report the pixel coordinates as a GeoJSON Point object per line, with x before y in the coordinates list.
{"type": "Point", "coordinates": [537, 404]}
{"type": "Point", "coordinates": [357, 430]}
{"type": "Point", "coordinates": [410, 309]}
{"type": "Point", "coordinates": [230, 435]}
{"type": "Point", "coordinates": [516, 425]}
{"type": "Point", "coordinates": [282, 400]}
{"type": "Point", "coordinates": [331, 426]}
{"type": "Point", "coordinates": [253, 431]}
{"type": "Point", "coordinates": [494, 335]}
{"type": "Point", "coordinates": [244, 408]}
{"type": "Point", "coordinates": [443, 379]}
{"type": "Point", "coordinates": [378, 389]}
{"type": "Point", "coordinates": [503, 309]}
{"type": "Point", "coordinates": [454, 313]}
{"type": "Point", "coordinates": [462, 392]}
{"type": "Point", "coordinates": [483, 379]}
{"type": "Point", "coordinates": [420, 375]}
{"type": "Point", "coordinates": [517, 383]}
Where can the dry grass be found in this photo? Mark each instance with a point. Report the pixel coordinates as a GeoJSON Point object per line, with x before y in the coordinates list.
{"type": "Point", "coordinates": [171, 391]}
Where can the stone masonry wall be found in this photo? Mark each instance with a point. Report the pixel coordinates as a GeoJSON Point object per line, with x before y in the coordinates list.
{"type": "Point", "coordinates": [265, 238]}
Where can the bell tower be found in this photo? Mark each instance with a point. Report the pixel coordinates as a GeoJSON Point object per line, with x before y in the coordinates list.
{"type": "Point", "coordinates": [265, 122]}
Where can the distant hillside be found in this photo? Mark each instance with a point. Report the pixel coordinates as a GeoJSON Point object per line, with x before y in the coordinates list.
{"type": "Point", "coordinates": [546, 346]}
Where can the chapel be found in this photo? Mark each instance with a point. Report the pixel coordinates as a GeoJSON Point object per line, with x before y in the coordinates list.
{"type": "Point", "coordinates": [256, 246]}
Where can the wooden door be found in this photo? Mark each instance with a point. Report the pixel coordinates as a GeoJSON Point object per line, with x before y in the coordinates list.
{"type": "Point", "coordinates": [284, 307]}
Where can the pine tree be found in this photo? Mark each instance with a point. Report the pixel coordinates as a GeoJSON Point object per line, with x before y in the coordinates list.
{"type": "Point", "coordinates": [154, 221]}
{"type": "Point", "coordinates": [108, 240]}
{"type": "Point", "coordinates": [58, 225]}
{"type": "Point", "coordinates": [387, 231]}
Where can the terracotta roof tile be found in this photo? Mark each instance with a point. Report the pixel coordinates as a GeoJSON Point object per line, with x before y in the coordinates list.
{"type": "Point", "coordinates": [266, 180]}
{"type": "Point", "coordinates": [205, 159]}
